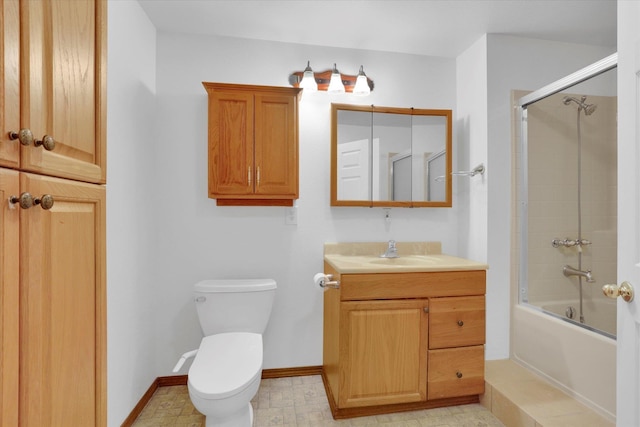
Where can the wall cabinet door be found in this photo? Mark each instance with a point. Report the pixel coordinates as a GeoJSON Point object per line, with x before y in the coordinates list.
{"type": "Point", "coordinates": [276, 145]}
{"type": "Point", "coordinates": [253, 144]}
{"type": "Point", "coordinates": [9, 285]}
{"type": "Point", "coordinates": [63, 63]}
{"type": "Point", "coordinates": [384, 355]}
{"type": "Point", "coordinates": [62, 305]}
{"type": "Point", "coordinates": [231, 171]}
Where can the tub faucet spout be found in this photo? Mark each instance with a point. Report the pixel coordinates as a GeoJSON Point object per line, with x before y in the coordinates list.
{"type": "Point", "coordinates": [570, 271]}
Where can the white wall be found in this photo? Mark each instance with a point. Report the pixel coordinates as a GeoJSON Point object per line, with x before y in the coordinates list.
{"type": "Point", "coordinates": [130, 219]}
{"type": "Point", "coordinates": [471, 121]}
{"type": "Point", "coordinates": [198, 240]}
{"type": "Point", "coordinates": [164, 234]}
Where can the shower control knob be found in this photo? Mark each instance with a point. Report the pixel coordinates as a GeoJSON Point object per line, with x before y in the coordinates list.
{"type": "Point", "coordinates": [625, 290]}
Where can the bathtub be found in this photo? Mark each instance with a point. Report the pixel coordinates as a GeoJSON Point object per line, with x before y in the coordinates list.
{"type": "Point", "coordinates": [577, 360]}
{"type": "Point", "coordinates": [599, 314]}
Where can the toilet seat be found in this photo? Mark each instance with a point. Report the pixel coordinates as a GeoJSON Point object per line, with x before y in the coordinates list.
{"type": "Point", "coordinates": [226, 364]}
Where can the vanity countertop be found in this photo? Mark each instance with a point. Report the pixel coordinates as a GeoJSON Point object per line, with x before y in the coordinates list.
{"type": "Point", "coordinates": [364, 257]}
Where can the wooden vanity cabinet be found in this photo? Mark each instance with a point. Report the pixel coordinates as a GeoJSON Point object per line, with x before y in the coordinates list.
{"type": "Point", "coordinates": [253, 144]}
{"type": "Point", "coordinates": [403, 341]}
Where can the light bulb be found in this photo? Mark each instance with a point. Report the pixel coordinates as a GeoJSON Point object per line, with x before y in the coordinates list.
{"type": "Point", "coordinates": [308, 82]}
{"type": "Point", "coordinates": [335, 84]}
{"type": "Point", "coordinates": [362, 85]}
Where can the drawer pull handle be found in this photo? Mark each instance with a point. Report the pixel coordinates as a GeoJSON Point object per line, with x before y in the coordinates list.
{"type": "Point", "coordinates": [459, 374]}
{"type": "Point", "coordinates": [460, 323]}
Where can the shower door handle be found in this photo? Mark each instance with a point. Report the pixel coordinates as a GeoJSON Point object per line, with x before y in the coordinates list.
{"type": "Point", "coordinates": [625, 290]}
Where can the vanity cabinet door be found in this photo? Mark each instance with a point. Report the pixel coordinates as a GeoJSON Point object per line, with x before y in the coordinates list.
{"type": "Point", "coordinates": [383, 357]}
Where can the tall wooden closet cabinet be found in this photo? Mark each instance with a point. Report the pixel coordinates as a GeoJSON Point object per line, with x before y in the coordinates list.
{"type": "Point", "coordinates": [52, 220]}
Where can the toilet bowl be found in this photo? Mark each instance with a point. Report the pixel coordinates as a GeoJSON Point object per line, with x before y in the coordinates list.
{"type": "Point", "coordinates": [225, 376]}
{"type": "Point", "coordinates": [227, 369]}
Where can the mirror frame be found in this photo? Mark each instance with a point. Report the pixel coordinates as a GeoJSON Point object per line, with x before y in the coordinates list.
{"type": "Point", "coordinates": [447, 203]}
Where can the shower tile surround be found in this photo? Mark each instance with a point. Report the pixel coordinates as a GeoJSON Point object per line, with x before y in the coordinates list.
{"type": "Point", "coordinates": [553, 201]}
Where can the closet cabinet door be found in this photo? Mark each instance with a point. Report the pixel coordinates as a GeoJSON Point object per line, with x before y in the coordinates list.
{"type": "Point", "coordinates": [9, 216]}
{"type": "Point", "coordinates": [9, 82]}
{"type": "Point", "coordinates": [62, 305]}
{"type": "Point", "coordinates": [63, 80]}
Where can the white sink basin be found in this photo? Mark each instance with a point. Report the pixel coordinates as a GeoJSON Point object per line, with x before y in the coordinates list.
{"type": "Point", "coordinates": [411, 260]}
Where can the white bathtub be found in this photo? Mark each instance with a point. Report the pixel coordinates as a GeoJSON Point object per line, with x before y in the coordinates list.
{"type": "Point", "coordinates": [575, 359]}
{"type": "Point", "coordinates": [598, 314]}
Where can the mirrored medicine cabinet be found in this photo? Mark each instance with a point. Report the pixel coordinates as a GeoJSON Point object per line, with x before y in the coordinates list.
{"type": "Point", "coordinates": [390, 157]}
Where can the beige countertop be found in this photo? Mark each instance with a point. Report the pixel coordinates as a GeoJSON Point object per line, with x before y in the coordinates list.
{"type": "Point", "coordinates": [364, 257]}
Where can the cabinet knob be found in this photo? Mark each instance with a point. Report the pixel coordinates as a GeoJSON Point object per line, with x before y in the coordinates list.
{"type": "Point", "coordinates": [26, 200]}
{"type": "Point", "coordinates": [24, 135]}
{"type": "Point", "coordinates": [47, 142]}
{"type": "Point", "coordinates": [459, 374]}
{"type": "Point", "coordinates": [460, 323]}
{"type": "Point", "coordinates": [45, 202]}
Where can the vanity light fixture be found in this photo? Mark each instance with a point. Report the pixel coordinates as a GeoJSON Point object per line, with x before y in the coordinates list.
{"type": "Point", "coordinates": [332, 81]}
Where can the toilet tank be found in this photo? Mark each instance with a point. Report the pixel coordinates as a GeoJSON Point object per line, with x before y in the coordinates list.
{"type": "Point", "coordinates": [234, 305]}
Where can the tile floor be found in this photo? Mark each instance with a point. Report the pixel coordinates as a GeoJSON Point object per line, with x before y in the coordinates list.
{"type": "Point", "coordinates": [301, 401]}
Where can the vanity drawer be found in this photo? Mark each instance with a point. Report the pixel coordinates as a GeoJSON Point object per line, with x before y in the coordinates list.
{"type": "Point", "coordinates": [456, 321]}
{"type": "Point", "coordinates": [454, 372]}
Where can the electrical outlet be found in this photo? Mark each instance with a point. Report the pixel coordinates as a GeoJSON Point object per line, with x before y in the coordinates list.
{"type": "Point", "coordinates": [291, 215]}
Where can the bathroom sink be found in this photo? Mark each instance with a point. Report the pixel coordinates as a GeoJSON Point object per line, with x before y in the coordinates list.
{"type": "Point", "coordinates": [413, 260]}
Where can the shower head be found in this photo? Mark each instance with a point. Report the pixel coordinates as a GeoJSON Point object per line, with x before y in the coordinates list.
{"type": "Point", "coordinates": [582, 105]}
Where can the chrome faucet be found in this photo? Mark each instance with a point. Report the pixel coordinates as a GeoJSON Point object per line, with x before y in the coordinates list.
{"type": "Point", "coordinates": [392, 251]}
{"type": "Point", "coordinates": [570, 271]}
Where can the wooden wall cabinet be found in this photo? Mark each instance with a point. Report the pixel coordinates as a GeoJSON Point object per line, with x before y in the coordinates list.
{"type": "Point", "coordinates": [253, 144]}
{"type": "Point", "coordinates": [52, 261]}
{"type": "Point", "coordinates": [403, 341]}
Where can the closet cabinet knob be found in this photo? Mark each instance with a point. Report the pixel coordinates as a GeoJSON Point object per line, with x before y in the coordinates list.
{"type": "Point", "coordinates": [24, 135]}
{"type": "Point", "coordinates": [45, 202]}
{"type": "Point", "coordinates": [26, 200]}
{"type": "Point", "coordinates": [47, 142]}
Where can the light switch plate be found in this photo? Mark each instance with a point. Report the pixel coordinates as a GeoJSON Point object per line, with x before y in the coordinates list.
{"type": "Point", "coordinates": [291, 215]}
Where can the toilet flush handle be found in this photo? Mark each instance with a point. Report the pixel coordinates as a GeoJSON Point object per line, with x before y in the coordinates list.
{"type": "Point", "coordinates": [183, 359]}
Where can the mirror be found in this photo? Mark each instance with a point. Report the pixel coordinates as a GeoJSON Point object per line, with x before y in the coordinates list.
{"type": "Point", "coordinates": [390, 157]}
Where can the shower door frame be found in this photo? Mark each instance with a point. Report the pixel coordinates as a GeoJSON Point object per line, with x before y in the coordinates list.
{"type": "Point", "coordinates": [593, 70]}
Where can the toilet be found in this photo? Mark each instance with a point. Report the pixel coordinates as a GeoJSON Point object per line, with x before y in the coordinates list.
{"type": "Point", "coordinates": [227, 369]}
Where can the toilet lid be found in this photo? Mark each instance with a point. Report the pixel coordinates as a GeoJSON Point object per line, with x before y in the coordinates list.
{"type": "Point", "coordinates": [226, 364]}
